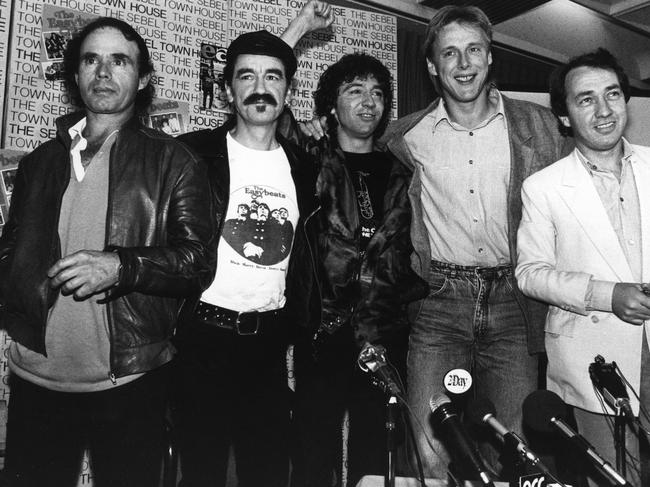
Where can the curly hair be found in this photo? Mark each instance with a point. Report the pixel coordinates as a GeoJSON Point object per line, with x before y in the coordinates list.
{"type": "Point", "coordinates": [72, 54]}
{"type": "Point", "coordinates": [345, 70]}
{"type": "Point", "coordinates": [600, 58]}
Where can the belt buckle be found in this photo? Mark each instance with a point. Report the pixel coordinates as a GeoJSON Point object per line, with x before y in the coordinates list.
{"type": "Point", "coordinates": [238, 322]}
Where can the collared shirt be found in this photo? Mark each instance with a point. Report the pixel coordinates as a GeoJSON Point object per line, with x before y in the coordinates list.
{"type": "Point", "coordinates": [621, 202]}
{"type": "Point", "coordinates": [465, 175]}
{"type": "Point", "coordinates": [79, 144]}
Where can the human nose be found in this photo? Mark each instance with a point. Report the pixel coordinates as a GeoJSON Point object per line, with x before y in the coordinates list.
{"type": "Point", "coordinates": [603, 109]}
{"type": "Point", "coordinates": [260, 85]}
{"type": "Point", "coordinates": [368, 100]}
{"type": "Point", "coordinates": [103, 69]}
{"type": "Point", "coordinates": [463, 60]}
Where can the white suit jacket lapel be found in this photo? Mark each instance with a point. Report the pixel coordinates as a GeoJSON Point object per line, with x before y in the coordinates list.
{"type": "Point", "coordinates": [580, 195]}
{"type": "Point", "coordinates": [641, 169]}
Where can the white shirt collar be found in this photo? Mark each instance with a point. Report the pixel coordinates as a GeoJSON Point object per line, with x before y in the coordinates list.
{"type": "Point", "coordinates": [78, 144]}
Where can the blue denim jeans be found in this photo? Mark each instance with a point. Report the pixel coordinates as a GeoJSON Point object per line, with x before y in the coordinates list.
{"type": "Point", "coordinates": [472, 320]}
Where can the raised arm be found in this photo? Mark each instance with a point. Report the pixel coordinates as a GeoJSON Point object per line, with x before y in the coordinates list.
{"type": "Point", "coordinates": [314, 15]}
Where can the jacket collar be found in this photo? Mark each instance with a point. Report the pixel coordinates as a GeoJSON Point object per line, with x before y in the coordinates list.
{"type": "Point", "coordinates": [213, 149]}
{"type": "Point", "coordinates": [519, 127]}
{"type": "Point", "coordinates": [65, 122]}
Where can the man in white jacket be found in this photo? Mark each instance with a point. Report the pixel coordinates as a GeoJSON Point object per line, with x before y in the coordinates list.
{"type": "Point", "coordinates": [584, 247]}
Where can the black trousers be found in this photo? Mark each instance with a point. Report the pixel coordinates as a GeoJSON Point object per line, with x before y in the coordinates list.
{"type": "Point", "coordinates": [327, 384]}
{"type": "Point", "coordinates": [123, 429]}
{"type": "Point", "coordinates": [231, 390]}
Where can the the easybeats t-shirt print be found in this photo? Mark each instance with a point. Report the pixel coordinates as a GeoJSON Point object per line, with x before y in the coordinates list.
{"type": "Point", "coordinates": [258, 231]}
{"type": "Point", "coordinates": [261, 228]}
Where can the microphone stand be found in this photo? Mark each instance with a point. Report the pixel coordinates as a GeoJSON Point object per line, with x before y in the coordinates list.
{"type": "Point", "coordinates": [391, 441]}
{"type": "Point", "coordinates": [619, 440]}
{"type": "Point", "coordinates": [373, 359]}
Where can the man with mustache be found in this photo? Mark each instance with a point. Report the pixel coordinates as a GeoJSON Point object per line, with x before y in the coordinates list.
{"type": "Point", "coordinates": [110, 229]}
{"type": "Point", "coordinates": [583, 246]}
{"type": "Point", "coordinates": [231, 366]}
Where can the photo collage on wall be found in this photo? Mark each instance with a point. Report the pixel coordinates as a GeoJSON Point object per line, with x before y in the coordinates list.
{"type": "Point", "coordinates": [211, 81]}
{"type": "Point", "coordinates": [8, 166]}
{"type": "Point", "coordinates": [59, 26]}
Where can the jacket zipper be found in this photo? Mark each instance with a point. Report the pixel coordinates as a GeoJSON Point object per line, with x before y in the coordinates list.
{"type": "Point", "coordinates": [357, 239]}
{"type": "Point", "coordinates": [311, 258]}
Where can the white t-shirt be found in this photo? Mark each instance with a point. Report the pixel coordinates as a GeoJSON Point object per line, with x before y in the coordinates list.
{"type": "Point", "coordinates": [258, 231]}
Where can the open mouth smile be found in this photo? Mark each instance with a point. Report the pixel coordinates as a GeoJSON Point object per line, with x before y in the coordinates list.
{"type": "Point", "coordinates": [465, 79]}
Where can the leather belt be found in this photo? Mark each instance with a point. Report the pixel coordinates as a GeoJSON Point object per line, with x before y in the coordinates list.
{"type": "Point", "coordinates": [247, 323]}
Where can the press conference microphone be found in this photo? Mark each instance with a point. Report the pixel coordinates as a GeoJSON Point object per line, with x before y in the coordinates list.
{"type": "Point", "coordinates": [545, 411]}
{"type": "Point", "coordinates": [372, 359]}
{"type": "Point", "coordinates": [445, 419]}
{"type": "Point", "coordinates": [610, 385]}
{"type": "Point", "coordinates": [482, 411]}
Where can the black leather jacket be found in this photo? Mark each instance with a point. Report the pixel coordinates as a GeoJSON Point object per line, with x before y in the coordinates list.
{"type": "Point", "coordinates": [301, 295]}
{"type": "Point", "coordinates": [159, 220]}
{"type": "Point", "coordinates": [368, 293]}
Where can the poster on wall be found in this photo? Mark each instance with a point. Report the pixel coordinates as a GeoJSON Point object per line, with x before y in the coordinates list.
{"type": "Point", "coordinates": [353, 30]}
{"type": "Point", "coordinates": [211, 80]}
{"type": "Point", "coordinates": [5, 14]}
{"type": "Point", "coordinates": [187, 41]}
{"type": "Point", "coordinates": [168, 116]}
{"type": "Point", "coordinates": [58, 27]}
{"type": "Point", "coordinates": [9, 160]}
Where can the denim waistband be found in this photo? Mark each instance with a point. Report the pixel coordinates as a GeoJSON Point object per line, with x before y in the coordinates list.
{"type": "Point", "coordinates": [453, 270]}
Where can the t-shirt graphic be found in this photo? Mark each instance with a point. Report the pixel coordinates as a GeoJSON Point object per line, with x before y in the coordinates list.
{"type": "Point", "coordinates": [260, 230]}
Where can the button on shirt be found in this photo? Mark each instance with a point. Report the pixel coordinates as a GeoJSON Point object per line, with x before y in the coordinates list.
{"type": "Point", "coordinates": [465, 175]}
{"type": "Point", "coordinates": [621, 202]}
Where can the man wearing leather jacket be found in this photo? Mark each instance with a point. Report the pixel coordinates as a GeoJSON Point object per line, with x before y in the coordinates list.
{"type": "Point", "coordinates": [108, 233]}
{"type": "Point", "coordinates": [364, 274]}
{"type": "Point", "coordinates": [231, 367]}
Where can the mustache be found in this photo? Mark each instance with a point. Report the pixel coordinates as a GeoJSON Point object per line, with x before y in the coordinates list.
{"type": "Point", "coordinates": [261, 97]}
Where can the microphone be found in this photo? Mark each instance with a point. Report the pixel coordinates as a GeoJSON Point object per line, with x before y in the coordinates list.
{"type": "Point", "coordinates": [609, 384]}
{"type": "Point", "coordinates": [445, 419]}
{"type": "Point", "coordinates": [373, 359]}
{"type": "Point", "coordinates": [481, 410]}
{"type": "Point", "coordinates": [544, 411]}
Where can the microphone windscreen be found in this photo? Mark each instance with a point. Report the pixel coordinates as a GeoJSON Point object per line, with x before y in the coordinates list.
{"type": "Point", "coordinates": [540, 407]}
{"type": "Point", "coordinates": [478, 408]}
{"type": "Point", "coordinates": [438, 400]}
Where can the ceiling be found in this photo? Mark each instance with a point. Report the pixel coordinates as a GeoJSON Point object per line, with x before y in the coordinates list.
{"type": "Point", "coordinates": [557, 30]}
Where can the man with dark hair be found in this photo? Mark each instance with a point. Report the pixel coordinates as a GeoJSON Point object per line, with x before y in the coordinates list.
{"type": "Point", "coordinates": [601, 58]}
{"type": "Point", "coordinates": [364, 275]}
{"type": "Point", "coordinates": [109, 231]}
{"type": "Point", "coordinates": [583, 248]}
{"type": "Point", "coordinates": [353, 68]}
{"type": "Point", "coordinates": [72, 60]}
{"type": "Point", "coordinates": [469, 152]}
{"type": "Point", "coordinates": [231, 367]}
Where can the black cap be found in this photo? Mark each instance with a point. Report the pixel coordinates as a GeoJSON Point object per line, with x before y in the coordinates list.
{"type": "Point", "coordinates": [264, 43]}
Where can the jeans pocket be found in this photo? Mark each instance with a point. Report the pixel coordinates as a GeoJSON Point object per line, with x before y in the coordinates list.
{"type": "Point", "coordinates": [438, 283]}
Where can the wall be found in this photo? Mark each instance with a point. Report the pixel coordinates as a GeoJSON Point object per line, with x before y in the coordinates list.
{"type": "Point", "coordinates": [187, 41]}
